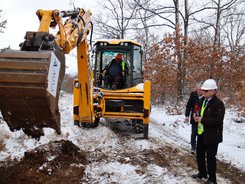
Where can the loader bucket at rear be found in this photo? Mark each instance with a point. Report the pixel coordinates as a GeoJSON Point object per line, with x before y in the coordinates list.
{"type": "Point", "coordinates": [30, 83]}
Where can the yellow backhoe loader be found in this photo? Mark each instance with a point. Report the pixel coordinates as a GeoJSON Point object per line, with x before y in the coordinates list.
{"type": "Point", "coordinates": [30, 79]}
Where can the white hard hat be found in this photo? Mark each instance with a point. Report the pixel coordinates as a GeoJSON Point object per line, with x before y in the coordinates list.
{"type": "Point", "coordinates": [209, 84]}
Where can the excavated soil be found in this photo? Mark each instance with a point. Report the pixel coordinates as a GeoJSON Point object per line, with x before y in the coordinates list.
{"type": "Point", "coordinates": [62, 162]}
{"type": "Point", "coordinates": [56, 162]}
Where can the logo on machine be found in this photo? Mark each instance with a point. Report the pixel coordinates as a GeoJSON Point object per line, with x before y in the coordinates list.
{"type": "Point", "coordinates": [53, 75]}
{"type": "Point", "coordinates": [55, 63]}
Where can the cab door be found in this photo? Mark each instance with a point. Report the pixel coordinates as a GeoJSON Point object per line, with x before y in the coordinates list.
{"type": "Point", "coordinates": [137, 72]}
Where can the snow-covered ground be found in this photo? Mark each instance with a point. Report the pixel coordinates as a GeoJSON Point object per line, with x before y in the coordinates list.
{"type": "Point", "coordinates": [164, 129]}
{"type": "Point", "coordinates": [231, 150]}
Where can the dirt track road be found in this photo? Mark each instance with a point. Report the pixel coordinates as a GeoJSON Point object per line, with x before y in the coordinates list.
{"type": "Point", "coordinates": [156, 160]}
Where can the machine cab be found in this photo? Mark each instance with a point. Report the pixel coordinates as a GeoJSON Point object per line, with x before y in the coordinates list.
{"type": "Point", "coordinates": [106, 50]}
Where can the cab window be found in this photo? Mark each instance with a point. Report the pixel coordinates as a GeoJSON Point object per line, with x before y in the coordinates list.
{"type": "Point", "coordinates": [137, 65]}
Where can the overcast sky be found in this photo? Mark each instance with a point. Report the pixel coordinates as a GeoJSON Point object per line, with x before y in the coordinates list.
{"type": "Point", "coordinates": [21, 17]}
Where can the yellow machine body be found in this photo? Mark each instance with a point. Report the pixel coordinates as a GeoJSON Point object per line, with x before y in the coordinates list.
{"type": "Point", "coordinates": [131, 102]}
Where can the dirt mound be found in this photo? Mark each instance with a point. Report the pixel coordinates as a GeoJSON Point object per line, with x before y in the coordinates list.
{"type": "Point", "coordinates": [56, 162]}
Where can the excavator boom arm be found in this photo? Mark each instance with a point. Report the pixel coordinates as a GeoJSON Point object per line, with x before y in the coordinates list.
{"type": "Point", "coordinates": [72, 32]}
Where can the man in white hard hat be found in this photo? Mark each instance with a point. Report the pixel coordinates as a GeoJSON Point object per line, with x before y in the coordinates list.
{"type": "Point", "coordinates": [210, 131]}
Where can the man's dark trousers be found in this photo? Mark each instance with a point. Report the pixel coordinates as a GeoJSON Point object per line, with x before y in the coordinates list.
{"type": "Point", "coordinates": [193, 135]}
{"type": "Point", "coordinates": [211, 151]}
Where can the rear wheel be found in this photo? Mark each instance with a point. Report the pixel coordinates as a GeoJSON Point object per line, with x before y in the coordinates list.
{"type": "Point", "coordinates": [138, 126]}
{"type": "Point", "coordinates": [146, 130]}
{"type": "Point", "coordinates": [90, 125]}
{"type": "Point", "coordinates": [76, 123]}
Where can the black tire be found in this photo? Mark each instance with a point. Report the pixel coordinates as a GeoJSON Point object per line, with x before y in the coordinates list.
{"type": "Point", "coordinates": [146, 130]}
{"type": "Point", "coordinates": [94, 124]}
{"type": "Point", "coordinates": [90, 125]}
{"type": "Point", "coordinates": [76, 123]}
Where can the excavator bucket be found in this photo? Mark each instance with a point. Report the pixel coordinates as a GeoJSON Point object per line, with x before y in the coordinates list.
{"type": "Point", "coordinates": [30, 83]}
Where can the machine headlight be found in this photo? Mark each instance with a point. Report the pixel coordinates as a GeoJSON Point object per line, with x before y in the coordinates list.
{"type": "Point", "coordinates": [76, 84]}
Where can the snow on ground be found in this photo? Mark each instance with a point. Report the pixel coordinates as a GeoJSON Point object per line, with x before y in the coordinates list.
{"type": "Point", "coordinates": [164, 128]}
{"type": "Point", "coordinates": [232, 149]}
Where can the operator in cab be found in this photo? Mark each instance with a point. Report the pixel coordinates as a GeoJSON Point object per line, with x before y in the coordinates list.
{"type": "Point", "coordinates": [115, 73]}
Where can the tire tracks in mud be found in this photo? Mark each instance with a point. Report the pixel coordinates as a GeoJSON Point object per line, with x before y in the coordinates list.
{"type": "Point", "coordinates": [168, 151]}
{"type": "Point", "coordinates": [147, 161]}
{"type": "Point", "coordinates": [173, 138]}
{"type": "Point", "coordinates": [169, 155]}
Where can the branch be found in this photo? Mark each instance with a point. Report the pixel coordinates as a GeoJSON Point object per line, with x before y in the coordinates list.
{"type": "Point", "coordinates": [153, 25]}
{"type": "Point", "coordinates": [157, 14]}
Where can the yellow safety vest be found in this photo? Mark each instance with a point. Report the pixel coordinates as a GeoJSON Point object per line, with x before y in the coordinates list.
{"type": "Point", "coordinates": [123, 65]}
{"type": "Point", "coordinates": [200, 127]}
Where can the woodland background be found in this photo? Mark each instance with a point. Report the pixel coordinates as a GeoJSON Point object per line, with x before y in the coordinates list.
{"type": "Point", "coordinates": [185, 42]}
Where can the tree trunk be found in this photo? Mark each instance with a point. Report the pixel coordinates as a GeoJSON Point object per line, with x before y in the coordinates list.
{"type": "Point", "coordinates": [217, 26]}
{"type": "Point", "coordinates": [178, 52]}
{"type": "Point", "coordinates": [122, 20]}
{"type": "Point", "coordinates": [186, 37]}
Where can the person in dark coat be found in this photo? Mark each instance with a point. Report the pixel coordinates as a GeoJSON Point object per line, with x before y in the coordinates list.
{"type": "Point", "coordinates": [115, 73]}
{"type": "Point", "coordinates": [194, 98]}
{"type": "Point", "coordinates": [211, 111]}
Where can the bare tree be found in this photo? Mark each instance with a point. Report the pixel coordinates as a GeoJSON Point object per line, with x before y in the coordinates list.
{"type": "Point", "coordinates": [234, 30]}
{"type": "Point", "coordinates": [181, 12]}
{"type": "Point", "coordinates": [114, 20]}
{"type": "Point", "coordinates": [163, 13]}
{"type": "Point", "coordinates": [178, 52]}
{"type": "Point", "coordinates": [144, 26]}
{"type": "Point", "coordinates": [3, 23]}
{"type": "Point", "coordinates": [216, 23]}
{"type": "Point", "coordinates": [218, 9]}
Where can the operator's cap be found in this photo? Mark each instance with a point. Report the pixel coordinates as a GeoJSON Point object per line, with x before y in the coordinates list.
{"type": "Point", "coordinates": [119, 56]}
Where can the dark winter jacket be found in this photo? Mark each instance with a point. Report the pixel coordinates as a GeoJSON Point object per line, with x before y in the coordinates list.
{"type": "Point", "coordinates": [212, 120]}
{"type": "Point", "coordinates": [191, 105]}
{"type": "Point", "coordinates": [114, 68]}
